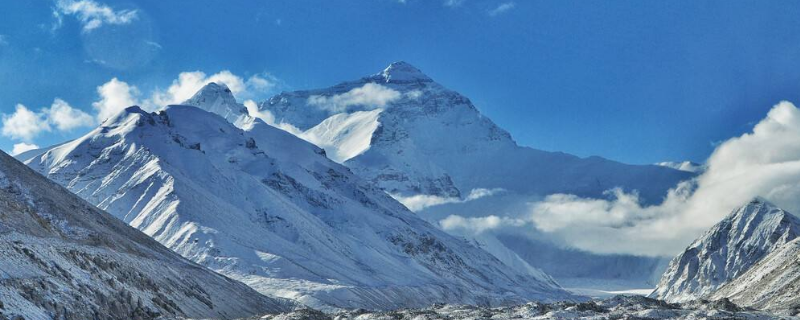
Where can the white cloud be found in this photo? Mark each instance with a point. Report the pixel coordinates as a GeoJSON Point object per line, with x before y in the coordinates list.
{"type": "Point", "coordinates": [115, 96]}
{"type": "Point", "coordinates": [91, 14]}
{"type": "Point", "coordinates": [765, 162]}
{"type": "Point", "coordinates": [3, 40]}
{"type": "Point", "coordinates": [453, 3]}
{"type": "Point", "coordinates": [370, 94]}
{"type": "Point", "coordinates": [475, 226]}
{"type": "Point", "coordinates": [65, 118]}
{"type": "Point", "coordinates": [24, 124]}
{"type": "Point", "coordinates": [23, 147]}
{"type": "Point", "coordinates": [419, 202]}
{"type": "Point", "coordinates": [502, 8]}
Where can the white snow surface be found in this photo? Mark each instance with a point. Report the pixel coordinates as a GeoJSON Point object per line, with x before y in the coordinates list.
{"type": "Point", "coordinates": [727, 251]}
{"type": "Point", "coordinates": [62, 258]}
{"type": "Point", "coordinates": [269, 209]}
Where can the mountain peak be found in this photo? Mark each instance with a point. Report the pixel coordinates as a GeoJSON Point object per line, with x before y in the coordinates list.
{"type": "Point", "coordinates": [401, 71]}
{"type": "Point", "coordinates": [210, 92]}
{"type": "Point", "coordinates": [217, 98]}
{"type": "Point", "coordinates": [757, 207]}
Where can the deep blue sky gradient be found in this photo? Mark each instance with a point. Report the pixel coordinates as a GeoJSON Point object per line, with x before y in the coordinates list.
{"type": "Point", "coordinates": [635, 81]}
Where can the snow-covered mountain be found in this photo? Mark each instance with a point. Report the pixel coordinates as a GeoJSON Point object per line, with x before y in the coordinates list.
{"type": "Point", "coordinates": [727, 251]}
{"type": "Point", "coordinates": [432, 149]}
{"type": "Point", "coordinates": [62, 258]}
{"type": "Point", "coordinates": [423, 139]}
{"type": "Point", "coordinates": [269, 209]}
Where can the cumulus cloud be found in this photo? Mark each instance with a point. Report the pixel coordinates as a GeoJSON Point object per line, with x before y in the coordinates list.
{"type": "Point", "coordinates": [502, 8]}
{"type": "Point", "coordinates": [91, 14]}
{"type": "Point", "coordinates": [764, 162]}
{"type": "Point", "coordinates": [115, 96]}
{"type": "Point", "coordinates": [66, 118]}
{"type": "Point", "coordinates": [419, 202]}
{"type": "Point", "coordinates": [370, 94]}
{"type": "Point", "coordinates": [25, 124]}
{"type": "Point", "coordinates": [23, 147]}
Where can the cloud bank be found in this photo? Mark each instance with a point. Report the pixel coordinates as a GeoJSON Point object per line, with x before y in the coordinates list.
{"type": "Point", "coordinates": [764, 162]}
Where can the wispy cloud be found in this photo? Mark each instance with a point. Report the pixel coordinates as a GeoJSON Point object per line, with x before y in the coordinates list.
{"type": "Point", "coordinates": [419, 202]}
{"type": "Point", "coordinates": [453, 3]}
{"type": "Point", "coordinates": [91, 14]}
{"type": "Point", "coordinates": [370, 94]}
{"type": "Point", "coordinates": [502, 8]}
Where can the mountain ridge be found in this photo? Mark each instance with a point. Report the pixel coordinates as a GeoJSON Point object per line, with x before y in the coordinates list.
{"type": "Point", "coordinates": [268, 209]}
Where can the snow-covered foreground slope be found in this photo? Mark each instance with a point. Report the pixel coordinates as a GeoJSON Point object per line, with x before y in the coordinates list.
{"type": "Point", "coordinates": [269, 209]}
{"type": "Point", "coordinates": [62, 258]}
{"type": "Point", "coordinates": [727, 251]}
{"type": "Point", "coordinates": [619, 307]}
{"type": "Point", "coordinates": [432, 149]}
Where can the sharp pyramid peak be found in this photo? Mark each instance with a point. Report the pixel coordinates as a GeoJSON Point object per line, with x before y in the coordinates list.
{"type": "Point", "coordinates": [402, 71]}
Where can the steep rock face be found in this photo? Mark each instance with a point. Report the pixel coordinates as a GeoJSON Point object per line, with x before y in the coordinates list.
{"type": "Point", "coordinates": [62, 258]}
{"type": "Point", "coordinates": [773, 283]}
{"type": "Point", "coordinates": [727, 251]}
{"type": "Point", "coordinates": [269, 209]}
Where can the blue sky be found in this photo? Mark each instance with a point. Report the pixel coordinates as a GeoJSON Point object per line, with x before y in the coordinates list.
{"type": "Point", "coordinates": [635, 81]}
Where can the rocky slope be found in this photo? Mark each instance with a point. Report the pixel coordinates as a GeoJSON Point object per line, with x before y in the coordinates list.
{"type": "Point", "coordinates": [619, 307]}
{"type": "Point", "coordinates": [728, 250]}
{"type": "Point", "coordinates": [269, 209]}
{"type": "Point", "coordinates": [62, 258]}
